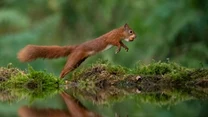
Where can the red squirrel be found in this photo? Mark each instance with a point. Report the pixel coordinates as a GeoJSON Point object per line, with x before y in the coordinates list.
{"type": "Point", "coordinates": [78, 53]}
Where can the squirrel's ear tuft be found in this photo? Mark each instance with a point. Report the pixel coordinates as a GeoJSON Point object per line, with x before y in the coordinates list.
{"type": "Point", "coordinates": [126, 26]}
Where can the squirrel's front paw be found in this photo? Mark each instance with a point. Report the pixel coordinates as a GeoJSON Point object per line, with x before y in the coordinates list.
{"type": "Point", "coordinates": [117, 51]}
{"type": "Point", "coordinates": [127, 49]}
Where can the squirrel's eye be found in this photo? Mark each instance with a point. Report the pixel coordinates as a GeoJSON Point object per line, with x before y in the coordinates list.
{"type": "Point", "coordinates": [130, 31]}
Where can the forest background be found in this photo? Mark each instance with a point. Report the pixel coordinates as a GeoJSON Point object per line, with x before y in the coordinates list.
{"type": "Point", "coordinates": [166, 29]}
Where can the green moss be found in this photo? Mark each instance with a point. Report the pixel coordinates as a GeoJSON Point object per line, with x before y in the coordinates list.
{"type": "Point", "coordinates": [31, 84]}
{"type": "Point", "coordinates": [7, 72]}
{"type": "Point", "coordinates": [112, 69]}
{"type": "Point", "coordinates": [166, 69]}
{"type": "Point", "coordinates": [40, 78]}
{"type": "Point", "coordinates": [157, 68]}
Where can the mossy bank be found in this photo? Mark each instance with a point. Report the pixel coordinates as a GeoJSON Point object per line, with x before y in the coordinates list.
{"type": "Point", "coordinates": [159, 73]}
{"type": "Point", "coordinates": [102, 81]}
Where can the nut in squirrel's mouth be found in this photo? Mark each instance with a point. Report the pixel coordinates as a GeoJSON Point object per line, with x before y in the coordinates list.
{"type": "Point", "coordinates": [131, 38]}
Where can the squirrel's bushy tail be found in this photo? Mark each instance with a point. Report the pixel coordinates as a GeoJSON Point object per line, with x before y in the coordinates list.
{"type": "Point", "coordinates": [32, 52]}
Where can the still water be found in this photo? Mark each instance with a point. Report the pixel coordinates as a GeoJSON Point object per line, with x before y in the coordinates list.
{"type": "Point", "coordinates": [105, 103]}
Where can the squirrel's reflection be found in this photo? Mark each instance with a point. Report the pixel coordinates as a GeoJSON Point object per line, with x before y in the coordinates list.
{"type": "Point", "coordinates": [75, 109]}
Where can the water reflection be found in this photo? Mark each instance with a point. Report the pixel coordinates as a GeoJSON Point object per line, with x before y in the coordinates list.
{"type": "Point", "coordinates": [109, 101]}
{"type": "Point", "coordinates": [74, 109]}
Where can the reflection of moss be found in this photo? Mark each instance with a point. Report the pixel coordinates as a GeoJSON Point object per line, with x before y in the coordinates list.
{"type": "Point", "coordinates": [112, 94]}
{"type": "Point", "coordinates": [33, 84]}
{"type": "Point", "coordinates": [164, 98]}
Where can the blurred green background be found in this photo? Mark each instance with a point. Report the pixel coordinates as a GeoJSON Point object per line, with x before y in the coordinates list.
{"type": "Point", "coordinates": [166, 29]}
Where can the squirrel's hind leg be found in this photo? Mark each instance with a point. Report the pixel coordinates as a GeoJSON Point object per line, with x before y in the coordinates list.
{"type": "Point", "coordinates": [74, 61]}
